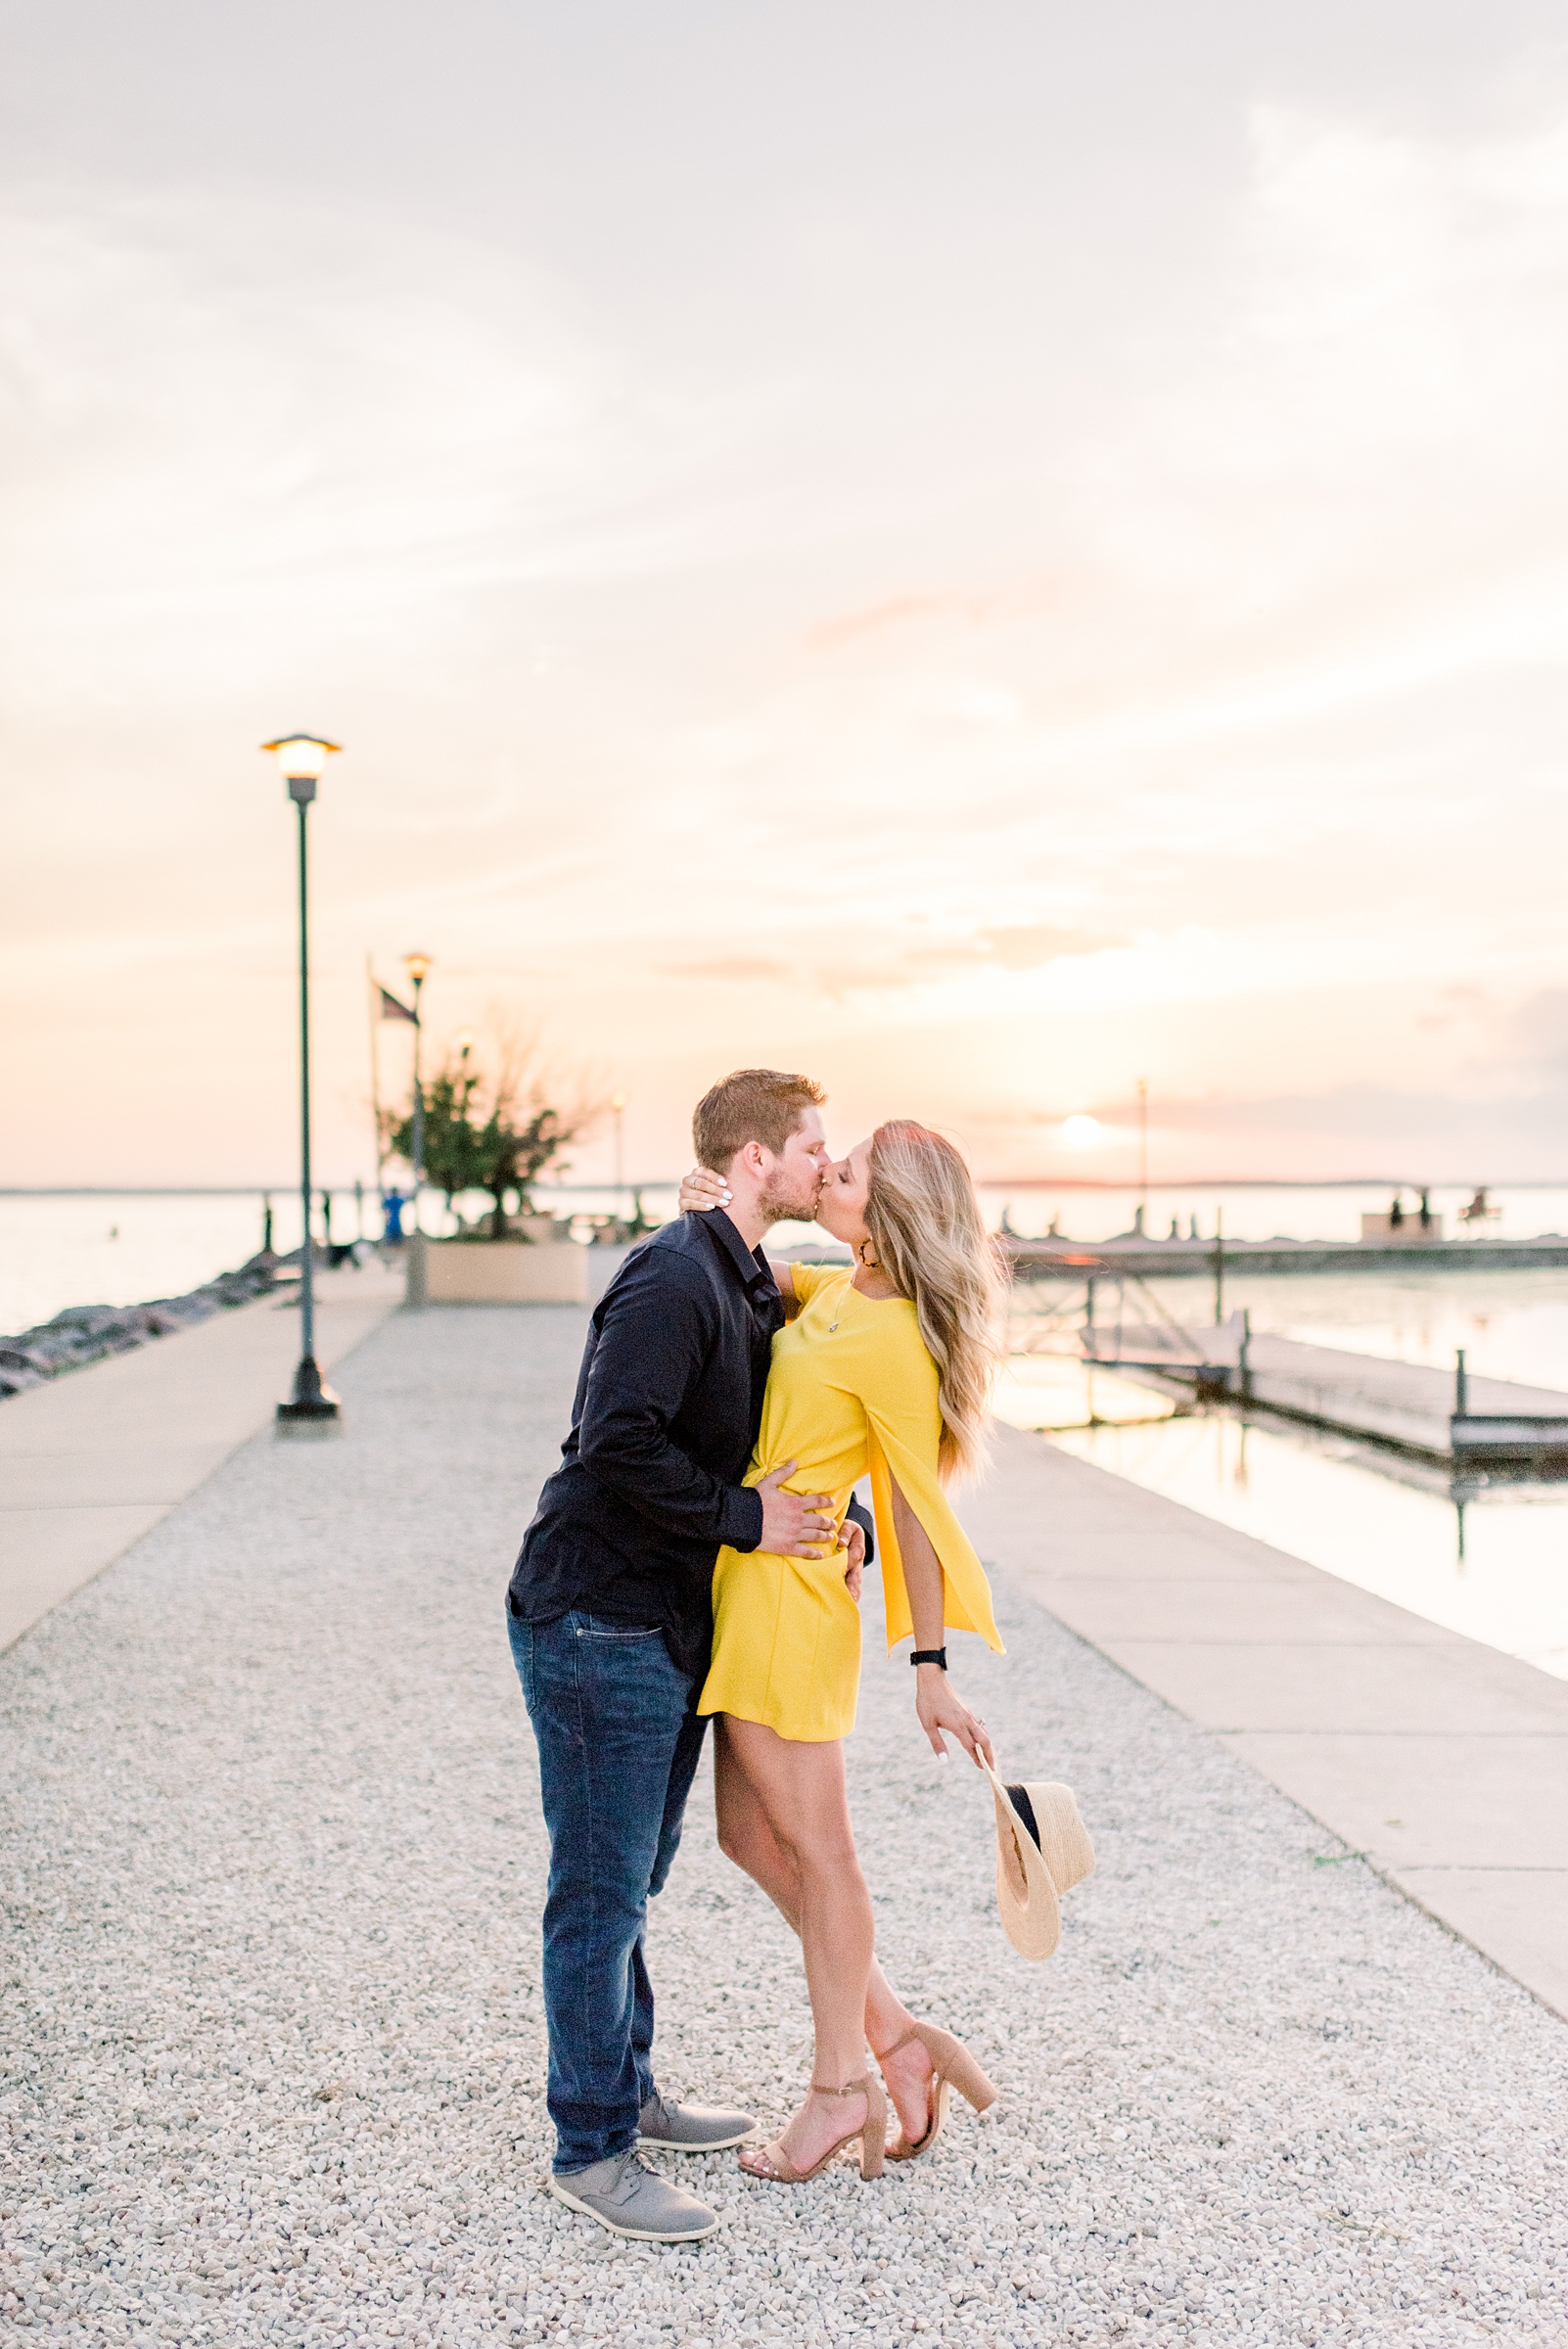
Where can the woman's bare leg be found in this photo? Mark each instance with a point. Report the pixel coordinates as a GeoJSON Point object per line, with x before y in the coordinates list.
{"type": "Point", "coordinates": [748, 1834]}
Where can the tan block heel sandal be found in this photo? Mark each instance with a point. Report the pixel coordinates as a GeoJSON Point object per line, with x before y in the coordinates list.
{"type": "Point", "coordinates": [872, 2133]}
{"type": "Point", "coordinates": [953, 2067]}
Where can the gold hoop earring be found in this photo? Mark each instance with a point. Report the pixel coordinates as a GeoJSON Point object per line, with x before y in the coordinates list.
{"type": "Point", "coordinates": [869, 1262]}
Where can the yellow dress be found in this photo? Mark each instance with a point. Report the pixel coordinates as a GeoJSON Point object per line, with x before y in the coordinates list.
{"type": "Point", "coordinates": [852, 1388]}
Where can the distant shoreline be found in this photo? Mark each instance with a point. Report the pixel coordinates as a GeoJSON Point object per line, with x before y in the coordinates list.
{"type": "Point", "coordinates": [672, 1182]}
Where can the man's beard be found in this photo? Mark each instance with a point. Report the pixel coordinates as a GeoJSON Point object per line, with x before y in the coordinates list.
{"type": "Point", "coordinates": [779, 1204]}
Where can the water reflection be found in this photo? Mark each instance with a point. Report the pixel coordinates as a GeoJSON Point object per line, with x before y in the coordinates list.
{"type": "Point", "coordinates": [1484, 1555]}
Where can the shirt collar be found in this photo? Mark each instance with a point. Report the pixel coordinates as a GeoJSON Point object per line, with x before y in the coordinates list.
{"type": "Point", "coordinates": [751, 1266]}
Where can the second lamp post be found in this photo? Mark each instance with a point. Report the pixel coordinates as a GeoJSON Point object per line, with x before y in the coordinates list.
{"type": "Point", "coordinates": [418, 968]}
{"type": "Point", "coordinates": [303, 758]}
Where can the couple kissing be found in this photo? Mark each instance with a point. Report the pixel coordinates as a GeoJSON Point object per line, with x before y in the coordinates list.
{"type": "Point", "coordinates": [697, 1556]}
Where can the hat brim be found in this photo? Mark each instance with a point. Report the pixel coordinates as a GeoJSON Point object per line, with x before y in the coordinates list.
{"type": "Point", "coordinates": [1027, 1894]}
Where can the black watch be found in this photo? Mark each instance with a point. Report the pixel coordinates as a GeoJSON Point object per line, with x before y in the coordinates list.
{"type": "Point", "coordinates": [930, 1655]}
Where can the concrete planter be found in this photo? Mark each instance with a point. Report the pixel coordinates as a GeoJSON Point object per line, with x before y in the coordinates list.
{"type": "Point", "coordinates": [549, 1230]}
{"type": "Point", "coordinates": [504, 1272]}
{"type": "Point", "coordinates": [1410, 1232]}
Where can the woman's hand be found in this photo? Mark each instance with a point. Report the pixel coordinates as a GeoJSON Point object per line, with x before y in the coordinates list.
{"type": "Point", "coordinates": [852, 1534]}
{"type": "Point", "coordinates": [935, 1702]}
{"type": "Point", "coordinates": [703, 1189]}
{"type": "Point", "coordinates": [941, 1707]}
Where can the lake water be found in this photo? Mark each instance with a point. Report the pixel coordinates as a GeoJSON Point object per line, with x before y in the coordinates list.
{"type": "Point", "coordinates": [1489, 1559]}
{"type": "Point", "coordinates": [126, 1247]}
{"type": "Point", "coordinates": [1495, 1568]}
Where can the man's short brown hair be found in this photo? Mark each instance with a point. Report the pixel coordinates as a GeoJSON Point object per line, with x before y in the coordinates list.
{"type": "Point", "coordinates": [753, 1105]}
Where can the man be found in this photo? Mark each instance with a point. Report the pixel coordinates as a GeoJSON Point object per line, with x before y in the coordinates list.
{"type": "Point", "coordinates": [610, 1616]}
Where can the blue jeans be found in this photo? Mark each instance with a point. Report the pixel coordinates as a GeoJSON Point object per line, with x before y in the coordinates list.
{"type": "Point", "coordinates": [618, 1751]}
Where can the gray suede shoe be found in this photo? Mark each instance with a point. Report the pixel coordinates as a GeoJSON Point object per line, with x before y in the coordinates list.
{"type": "Point", "coordinates": [691, 2128]}
{"type": "Point", "coordinates": [623, 2194]}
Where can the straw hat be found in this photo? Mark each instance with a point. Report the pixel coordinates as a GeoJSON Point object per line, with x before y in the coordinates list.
{"type": "Point", "coordinates": [1043, 1850]}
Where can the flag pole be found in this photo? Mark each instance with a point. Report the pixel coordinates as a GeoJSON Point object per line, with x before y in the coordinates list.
{"type": "Point", "coordinates": [373, 999]}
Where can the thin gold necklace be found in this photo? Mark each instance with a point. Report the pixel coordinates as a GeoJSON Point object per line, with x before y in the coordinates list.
{"type": "Point", "coordinates": [834, 1323]}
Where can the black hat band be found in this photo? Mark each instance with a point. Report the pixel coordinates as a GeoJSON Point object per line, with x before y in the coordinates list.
{"type": "Point", "coordinates": [1018, 1796]}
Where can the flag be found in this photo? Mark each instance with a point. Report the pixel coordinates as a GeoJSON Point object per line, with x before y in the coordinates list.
{"type": "Point", "coordinates": [392, 1009]}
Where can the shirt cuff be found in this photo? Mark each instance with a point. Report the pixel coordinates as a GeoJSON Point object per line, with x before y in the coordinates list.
{"type": "Point", "coordinates": [741, 1517]}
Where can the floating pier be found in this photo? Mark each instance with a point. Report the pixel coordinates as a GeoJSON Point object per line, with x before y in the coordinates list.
{"type": "Point", "coordinates": [1447, 1417]}
{"type": "Point", "coordinates": [1450, 1418]}
{"type": "Point", "coordinates": [1137, 1257]}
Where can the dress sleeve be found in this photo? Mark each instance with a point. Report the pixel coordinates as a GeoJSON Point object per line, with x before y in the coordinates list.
{"type": "Point", "coordinates": [904, 1424]}
{"type": "Point", "coordinates": [809, 1278]}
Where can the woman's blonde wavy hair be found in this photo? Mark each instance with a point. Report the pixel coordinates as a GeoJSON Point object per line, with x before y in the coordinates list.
{"type": "Point", "coordinates": [929, 1239]}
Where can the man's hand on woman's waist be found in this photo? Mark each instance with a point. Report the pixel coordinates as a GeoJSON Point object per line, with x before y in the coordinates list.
{"type": "Point", "coordinates": [795, 1525]}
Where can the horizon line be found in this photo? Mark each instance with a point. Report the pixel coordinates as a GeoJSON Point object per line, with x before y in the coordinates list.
{"type": "Point", "coordinates": [672, 1182]}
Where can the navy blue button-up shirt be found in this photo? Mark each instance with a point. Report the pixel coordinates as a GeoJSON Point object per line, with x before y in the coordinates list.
{"type": "Point", "coordinates": [668, 1402]}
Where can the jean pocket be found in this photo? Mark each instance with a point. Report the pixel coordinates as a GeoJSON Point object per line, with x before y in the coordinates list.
{"type": "Point", "coordinates": [619, 1631]}
{"type": "Point", "coordinates": [520, 1637]}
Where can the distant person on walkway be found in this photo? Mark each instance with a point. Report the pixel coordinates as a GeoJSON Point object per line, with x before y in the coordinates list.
{"type": "Point", "coordinates": [884, 1367]}
{"type": "Point", "coordinates": [610, 1615]}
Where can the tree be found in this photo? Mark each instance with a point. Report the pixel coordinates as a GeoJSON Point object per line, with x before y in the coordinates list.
{"type": "Point", "coordinates": [496, 1134]}
{"type": "Point", "coordinates": [452, 1158]}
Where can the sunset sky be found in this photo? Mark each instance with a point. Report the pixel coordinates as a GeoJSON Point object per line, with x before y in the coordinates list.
{"type": "Point", "coordinates": [982, 552]}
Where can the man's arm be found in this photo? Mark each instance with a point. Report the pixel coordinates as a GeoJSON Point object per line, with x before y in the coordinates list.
{"type": "Point", "coordinates": [653, 1342]}
{"type": "Point", "coordinates": [783, 1273]}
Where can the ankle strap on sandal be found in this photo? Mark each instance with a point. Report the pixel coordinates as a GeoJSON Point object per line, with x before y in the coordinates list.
{"type": "Point", "coordinates": [908, 2040]}
{"type": "Point", "coordinates": [854, 2087]}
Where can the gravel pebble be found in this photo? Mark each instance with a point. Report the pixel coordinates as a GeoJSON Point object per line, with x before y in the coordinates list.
{"type": "Point", "coordinates": [273, 2051]}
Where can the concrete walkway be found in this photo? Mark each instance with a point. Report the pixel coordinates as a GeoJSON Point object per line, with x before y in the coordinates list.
{"type": "Point", "coordinates": [1442, 1761]}
{"type": "Point", "coordinates": [270, 2029]}
{"type": "Point", "coordinates": [93, 1460]}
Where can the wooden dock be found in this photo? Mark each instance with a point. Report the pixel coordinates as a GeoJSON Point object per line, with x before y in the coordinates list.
{"type": "Point", "coordinates": [1135, 1257]}
{"type": "Point", "coordinates": [1450, 1417]}
{"type": "Point", "coordinates": [1410, 1405]}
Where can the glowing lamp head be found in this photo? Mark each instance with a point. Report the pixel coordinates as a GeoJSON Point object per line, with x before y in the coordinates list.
{"type": "Point", "coordinates": [303, 759]}
{"type": "Point", "coordinates": [418, 967]}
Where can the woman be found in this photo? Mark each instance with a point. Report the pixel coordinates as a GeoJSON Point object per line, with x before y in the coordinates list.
{"type": "Point", "coordinates": [882, 1366]}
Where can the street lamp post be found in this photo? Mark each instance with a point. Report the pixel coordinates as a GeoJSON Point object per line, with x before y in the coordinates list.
{"type": "Point", "coordinates": [303, 758]}
{"type": "Point", "coordinates": [418, 968]}
{"type": "Point", "coordinates": [618, 1105]}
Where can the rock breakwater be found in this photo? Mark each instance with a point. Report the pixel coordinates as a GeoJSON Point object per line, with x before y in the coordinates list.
{"type": "Point", "coordinates": [86, 1333]}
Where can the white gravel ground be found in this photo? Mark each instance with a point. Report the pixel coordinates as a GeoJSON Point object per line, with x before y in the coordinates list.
{"type": "Point", "coordinates": [274, 2061]}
